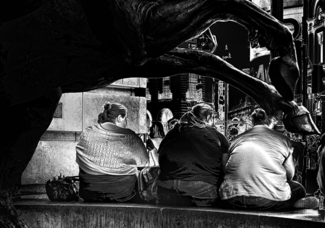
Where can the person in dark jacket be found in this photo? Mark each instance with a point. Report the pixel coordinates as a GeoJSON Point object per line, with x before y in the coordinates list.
{"type": "Point", "coordinates": [190, 159]}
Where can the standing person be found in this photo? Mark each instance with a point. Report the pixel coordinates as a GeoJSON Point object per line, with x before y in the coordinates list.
{"type": "Point", "coordinates": [190, 159]}
{"type": "Point", "coordinates": [149, 174]}
{"type": "Point", "coordinates": [108, 155]}
{"type": "Point", "coordinates": [156, 136]}
{"type": "Point", "coordinates": [260, 169]}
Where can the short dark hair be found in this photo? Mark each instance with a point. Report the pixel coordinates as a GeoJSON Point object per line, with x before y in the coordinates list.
{"type": "Point", "coordinates": [160, 128]}
{"type": "Point", "coordinates": [111, 112]}
{"type": "Point", "coordinates": [202, 111]}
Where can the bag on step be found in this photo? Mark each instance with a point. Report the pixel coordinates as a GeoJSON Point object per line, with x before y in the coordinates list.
{"type": "Point", "coordinates": [62, 188]}
{"type": "Point", "coordinates": [147, 183]}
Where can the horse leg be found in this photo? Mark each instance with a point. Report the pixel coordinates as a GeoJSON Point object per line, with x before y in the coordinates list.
{"type": "Point", "coordinates": [169, 24]}
{"type": "Point", "coordinates": [205, 64]}
{"type": "Point", "coordinates": [283, 68]}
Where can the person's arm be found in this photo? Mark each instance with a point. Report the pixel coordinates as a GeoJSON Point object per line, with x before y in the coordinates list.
{"type": "Point", "coordinates": [152, 152]}
{"type": "Point", "coordinates": [154, 157]}
{"type": "Point", "coordinates": [225, 158]}
{"type": "Point", "coordinates": [141, 154]}
{"type": "Point", "coordinates": [289, 166]}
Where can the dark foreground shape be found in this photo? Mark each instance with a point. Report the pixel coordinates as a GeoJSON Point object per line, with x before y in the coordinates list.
{"type": "Point", "coordinates": [49, 46]}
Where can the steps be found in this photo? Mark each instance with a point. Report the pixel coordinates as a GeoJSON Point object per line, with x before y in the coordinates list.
{"type": "Point", "coordinates": [44, 213]}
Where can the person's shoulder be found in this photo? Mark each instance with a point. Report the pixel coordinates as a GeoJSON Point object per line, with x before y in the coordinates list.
{"type": "Point", "coordinates": [91, 128]}
{"type": "Point", "coordinates": [242, 136]}
{"type": "Point", "coordinates": [214, 130]}
{"type": "Point", "coordinates": [129, 131]}
{"type": "Point", "coordinates": [217, 133]}
{"type": "Point", "coordinates": [279, 134]}
{"type": "Point", "coordinates": [89, 131]}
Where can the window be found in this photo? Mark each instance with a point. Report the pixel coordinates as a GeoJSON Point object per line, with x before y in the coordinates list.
{"type": "Point", "coordinates": [194, 91]}
{"type": "Point", "coordinates": [166, 93]}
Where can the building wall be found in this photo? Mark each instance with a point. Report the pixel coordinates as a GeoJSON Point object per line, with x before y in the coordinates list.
{"type": "Point", "coordinates": [292, 3]}
{"type": "Point", "coordinates": [55, 153]}
{"type": "Point", "coordinates": [294, 13]}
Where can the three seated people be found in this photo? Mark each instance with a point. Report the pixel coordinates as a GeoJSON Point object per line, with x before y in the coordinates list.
{"type": "Point", "coordinates": [197, 166]}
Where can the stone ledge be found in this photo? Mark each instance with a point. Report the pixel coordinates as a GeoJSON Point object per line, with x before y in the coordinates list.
{"type": "Point", "coordinates": [44, 213]}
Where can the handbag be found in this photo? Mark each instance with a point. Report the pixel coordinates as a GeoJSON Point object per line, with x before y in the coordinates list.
{"type": "Point", "coordinates": [147, 183]}
{"type": "Point", "coordinates": [62, 188]}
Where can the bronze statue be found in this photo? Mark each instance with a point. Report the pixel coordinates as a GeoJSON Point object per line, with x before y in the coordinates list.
{"type": "Point", "coordinates": [61, 46]}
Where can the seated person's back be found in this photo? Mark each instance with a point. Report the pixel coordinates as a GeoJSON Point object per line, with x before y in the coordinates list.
{"type": "Point", "coordinates": [190, 158]}
{"type": "Point", "coordinates": [260, 169]}
{"type": "Point", "coordinates": [108, 155]}
{"type": "Point", "coordinates": [191, 154]}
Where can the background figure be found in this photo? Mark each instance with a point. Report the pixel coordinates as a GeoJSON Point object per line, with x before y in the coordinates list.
{"type": "Point", "coordinates": [156, 135]}
{"type": "Point", "coordinates": [298, 151]}
{"type": "Point", "coordinates": [298, 158]}
{"type": "Point", "coordinates": [148, 121]}
{"type": "Point", "coordinates": [260, 169]}
{"type": "Point", "coordinates": [163, 116]}
{"type": "Point", "coordinates": [108, 155]}
{"type": "Point", "coordinates": [190, 159]}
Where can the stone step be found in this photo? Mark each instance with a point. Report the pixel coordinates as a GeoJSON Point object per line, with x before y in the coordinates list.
{"type": "Point", "coordinates": [44, 213]}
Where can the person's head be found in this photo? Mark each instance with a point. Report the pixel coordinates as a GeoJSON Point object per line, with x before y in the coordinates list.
{"type": "Point", "coordinates": [201, 115]}
{"type": "Point", "coordinates": [259, 117]}
{"type": "Point", "coordinates": [171, 123]}
{"type": "Point", "coordinates": [204, 113]}
{"type": "Point", "coordinates": [114, 113]}
{"type": "Point", "coordinates": [157, 130]}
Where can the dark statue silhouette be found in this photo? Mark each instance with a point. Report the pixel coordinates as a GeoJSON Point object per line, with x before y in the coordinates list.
{"type": "Point", "coordinates": [61, 46]}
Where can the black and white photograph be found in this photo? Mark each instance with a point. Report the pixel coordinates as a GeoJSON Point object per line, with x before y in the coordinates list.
{"type": "Point", "coordinates": [162, 113]}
